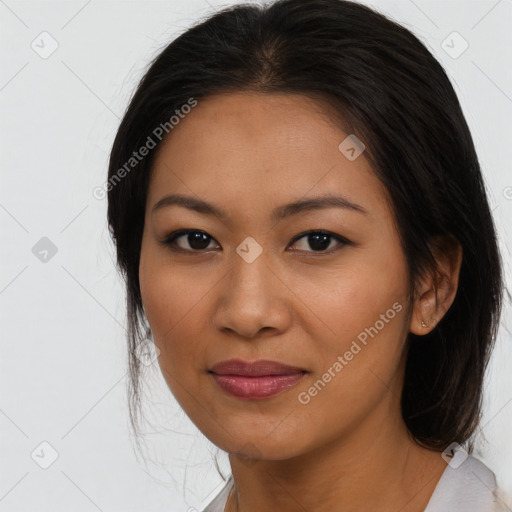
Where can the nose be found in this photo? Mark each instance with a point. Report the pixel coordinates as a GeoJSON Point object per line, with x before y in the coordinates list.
{"type": "Point", "coordinates": [252, 298]}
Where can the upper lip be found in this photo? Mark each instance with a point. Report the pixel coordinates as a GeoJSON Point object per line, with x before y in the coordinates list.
{"type": "Point", "coordinates": [257, 368]}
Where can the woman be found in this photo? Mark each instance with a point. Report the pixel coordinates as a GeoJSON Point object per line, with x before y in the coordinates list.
{"type": "Point", "coordinates": [300, 216]}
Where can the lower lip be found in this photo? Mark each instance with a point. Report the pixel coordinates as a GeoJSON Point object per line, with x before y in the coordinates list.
{"type": "Point", "coordinates": [254, 388]}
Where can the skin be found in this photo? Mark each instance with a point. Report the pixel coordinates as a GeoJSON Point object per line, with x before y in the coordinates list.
{"type": "Point", "coordinates": [348, 448]}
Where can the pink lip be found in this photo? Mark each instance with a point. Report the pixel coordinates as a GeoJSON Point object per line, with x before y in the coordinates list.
{"type": "Point", "coordinates": [256, 380]}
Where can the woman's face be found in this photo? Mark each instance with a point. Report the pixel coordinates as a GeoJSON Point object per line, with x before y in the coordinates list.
{"type": "Point", "coordinates": [250, 284]}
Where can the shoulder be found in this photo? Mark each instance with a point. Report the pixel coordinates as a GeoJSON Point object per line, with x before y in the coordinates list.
{"type": "Point", "coordinates": [467, 485]}
{"type": "Point", "coordinates": [218, 503]}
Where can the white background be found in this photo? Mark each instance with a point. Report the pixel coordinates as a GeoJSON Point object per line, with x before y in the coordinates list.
{"type": "Point", "coordinates": [63, 364]}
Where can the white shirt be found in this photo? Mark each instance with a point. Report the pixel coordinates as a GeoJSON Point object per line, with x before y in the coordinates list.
{"type": "Point", "coordinates": [470, 487]}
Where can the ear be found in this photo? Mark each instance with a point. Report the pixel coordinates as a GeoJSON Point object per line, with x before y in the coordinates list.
{"type": "Point", "coordinates": [436, 291]}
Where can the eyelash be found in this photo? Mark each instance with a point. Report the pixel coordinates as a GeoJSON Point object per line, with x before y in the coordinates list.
{"type": "Point", "coordinates": [169, 240]}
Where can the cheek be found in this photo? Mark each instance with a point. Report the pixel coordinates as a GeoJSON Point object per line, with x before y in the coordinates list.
{"type": "Point", "coordinates": [364, 344]}
{"type": "Point", "coordinates": [174, 302]}
{"type": "Point", "coordinates": [356, 370]}
{"type": "Point", "coordinates": [363, 312]}
{"type": "Point", "coordinates": [168, 313]}
{"type": "Point", "coordinates": [351, 298]}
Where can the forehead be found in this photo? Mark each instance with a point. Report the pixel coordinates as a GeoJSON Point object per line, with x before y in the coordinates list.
{"type": "Point", "coordinates": [260, 150]}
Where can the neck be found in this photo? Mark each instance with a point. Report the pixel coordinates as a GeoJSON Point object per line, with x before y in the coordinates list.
{"type": "Point", "coordinates": [378, 466]}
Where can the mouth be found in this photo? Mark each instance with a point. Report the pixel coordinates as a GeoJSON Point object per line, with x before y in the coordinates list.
{"type": "Point", "coordinates": [255, 380]}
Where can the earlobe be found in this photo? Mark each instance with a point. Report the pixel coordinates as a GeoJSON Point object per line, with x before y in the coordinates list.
{"type": "Point", "coordinates": [426, 310]}
{"type": "Point", "coordinates": [437, 292]}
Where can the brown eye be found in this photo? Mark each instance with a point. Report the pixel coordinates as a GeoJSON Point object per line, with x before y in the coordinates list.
{"type": "Point", "coordinates": [197, 240]}
{"type": "Point", "coordinates": [320, 241]}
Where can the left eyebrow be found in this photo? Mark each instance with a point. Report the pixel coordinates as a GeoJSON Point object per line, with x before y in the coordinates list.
{"type": "Point", "coordinates": [316, 203]}
{"type": "Point", "coordinates": [279, 213]}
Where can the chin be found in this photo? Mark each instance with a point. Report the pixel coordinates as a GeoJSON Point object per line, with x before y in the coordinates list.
{"type": "Point", "coordinates": [254, 445]}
